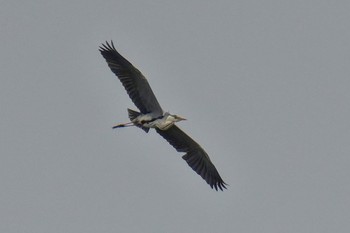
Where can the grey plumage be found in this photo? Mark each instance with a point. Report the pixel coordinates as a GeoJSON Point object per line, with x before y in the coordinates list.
{"type": "Point", "coordinates": [152, 116]}
{"type": "Point", "coordinates": [134, 82]}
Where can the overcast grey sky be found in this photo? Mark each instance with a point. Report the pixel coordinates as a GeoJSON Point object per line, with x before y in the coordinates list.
{"type": "Point", "coordinates": [264, 84]}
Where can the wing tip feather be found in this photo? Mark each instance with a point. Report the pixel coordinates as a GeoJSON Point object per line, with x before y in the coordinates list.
{"type": "Point", "coordinates": [207, 171]}
{"type": "Point", "coordinates": [107, 47]}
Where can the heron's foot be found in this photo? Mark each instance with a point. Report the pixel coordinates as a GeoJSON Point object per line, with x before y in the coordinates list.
{"type": "Point", "coordinates": [118, 126]}
{"type": "Point", "coordinates": [123, 125]}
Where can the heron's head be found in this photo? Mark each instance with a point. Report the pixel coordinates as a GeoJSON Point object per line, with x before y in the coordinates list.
{"type": "Point", "coordinates": [178, 118]}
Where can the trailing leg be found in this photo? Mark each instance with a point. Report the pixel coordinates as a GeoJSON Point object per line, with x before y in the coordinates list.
{"type": "Point", "coordinates": [128, 124]}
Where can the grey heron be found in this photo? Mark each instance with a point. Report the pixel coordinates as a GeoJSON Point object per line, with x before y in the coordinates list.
{"type": "Point", "coordinates": [151, 115]}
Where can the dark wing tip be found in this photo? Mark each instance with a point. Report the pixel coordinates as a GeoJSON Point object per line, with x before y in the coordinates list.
{"type": "Point", "coordinates": [217, 183]}
{"type": "Point", "coordinates": [201, 164]}
{"type": "Point", "coordinates": [113, 58]}
{"type": "Point", "coordinates": [107, 47]}
{"type": "Point", "coordinates": [195, 157]}
{"type": "Point", "coordinates": [221, 184]}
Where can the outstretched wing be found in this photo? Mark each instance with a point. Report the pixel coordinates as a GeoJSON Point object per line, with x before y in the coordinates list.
{"type": "Point", "coordinates": [195, 156]}
{"type": "Point", "coordinates": [132, 79]}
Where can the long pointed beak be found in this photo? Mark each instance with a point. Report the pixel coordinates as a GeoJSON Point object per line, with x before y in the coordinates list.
{"type": "Point", "coordinates": [181, 118]}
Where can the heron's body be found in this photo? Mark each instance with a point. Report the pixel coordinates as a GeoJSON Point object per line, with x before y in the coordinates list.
{"type": "Point", "coordinates": [162, 123]}
{"type": "Point", "coordinates": [147, 121]}
{"type": "Point", "coordinates": [151, 115]}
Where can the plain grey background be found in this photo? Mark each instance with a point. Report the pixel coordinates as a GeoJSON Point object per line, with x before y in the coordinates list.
{"type": "Point", "coordinates": [264, 84]}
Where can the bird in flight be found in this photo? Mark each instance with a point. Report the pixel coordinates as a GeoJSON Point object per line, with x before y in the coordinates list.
{"type": "Point", "coordinates": [151, 115]}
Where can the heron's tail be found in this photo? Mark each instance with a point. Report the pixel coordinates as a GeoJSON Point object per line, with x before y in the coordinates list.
{"type": "Point", "coordinates": [132, 115]}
